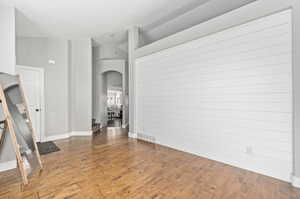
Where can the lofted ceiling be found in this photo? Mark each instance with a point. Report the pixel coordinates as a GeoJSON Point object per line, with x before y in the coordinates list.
{"type": "Point", "coordinates": [197, 15]}
{"type": "Point", "coordinates": [105, 20]}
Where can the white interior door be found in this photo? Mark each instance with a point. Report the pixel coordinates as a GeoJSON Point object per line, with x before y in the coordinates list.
{"type": "Point", "coordinates": [32, 79]}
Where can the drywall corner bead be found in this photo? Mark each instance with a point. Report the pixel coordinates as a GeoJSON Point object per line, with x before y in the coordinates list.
{"type": "Point", "coordinates": [296, 181]}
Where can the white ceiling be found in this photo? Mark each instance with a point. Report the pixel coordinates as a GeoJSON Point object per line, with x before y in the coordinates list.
{"type": "Point", "coordinates": [106, 20]}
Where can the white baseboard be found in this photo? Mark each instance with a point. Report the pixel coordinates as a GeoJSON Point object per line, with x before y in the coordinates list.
{"type": "Point", "coordinates": [68, 135]}
{"type": "Point", "coordinates": [132, 135]}
{"type": "Point", "coordinates": [80, 133]}
{"type": "Point", "coordinates": [124, 126]}
{"type": "Point", "coordinates": [56, 137]}
{"type": "Point", "coordinates": [296, 181]}
{"type": "Point", "coordinates": [5, 166]}
{"type": "Point", "coordinates": [145, 137]}
{"type": "Point", "coordinates": [231, 161]}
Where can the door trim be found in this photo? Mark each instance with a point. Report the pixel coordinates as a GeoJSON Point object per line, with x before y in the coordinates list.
{"type": "Point", "coordinates": [42, 75]}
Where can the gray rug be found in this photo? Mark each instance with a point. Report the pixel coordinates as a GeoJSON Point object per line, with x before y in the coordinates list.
{"type": "Point", "coordinates": [47, 147]}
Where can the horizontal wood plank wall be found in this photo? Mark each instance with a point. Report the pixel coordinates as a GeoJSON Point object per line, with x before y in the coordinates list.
{"type": "Point", "coordinates": [226, 96]}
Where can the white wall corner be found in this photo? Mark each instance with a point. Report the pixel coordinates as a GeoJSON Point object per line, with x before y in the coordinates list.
{"type": "Point", "coordinates": [81, 133]}
{"type": "Point", "coordinates": [296, 181]}
{"type": "Point", "coordinates": [132, 135]}
{"type": "Point", "coordinates": [5, 166]}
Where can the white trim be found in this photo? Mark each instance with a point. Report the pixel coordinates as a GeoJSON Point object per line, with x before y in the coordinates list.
{"type": "Point", "coordinates": [124, 126]}
{"type": "Point", "coordinates": [296, 181]}
{"type": "Point", "coordinates": [145, 137]}
{"type": "Point", "coordinates": [42, 75]}
{"type": "Point", "coordinates": [68, 135]}
{"type": "Point", "coordinates": [132, 135]}
{"type": "Point", "coordinates": [133, 44]}
{"type": "Point", "coordinates": [56, 137]}
{"type": "Point", "coordinates": [80, 133]}
{"type": "Point", "coordinates": [5, 166]}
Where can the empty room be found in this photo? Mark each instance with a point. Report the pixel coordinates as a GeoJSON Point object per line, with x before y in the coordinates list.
{"type": "Point", "coordinates": [148, 99]}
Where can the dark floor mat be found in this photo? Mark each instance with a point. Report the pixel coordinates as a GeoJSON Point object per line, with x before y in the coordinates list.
{"type": "Point", "coordinates": [47, 147]}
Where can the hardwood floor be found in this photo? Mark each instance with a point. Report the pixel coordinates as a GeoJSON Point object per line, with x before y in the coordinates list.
{"type": "Point", "coordinates": [110, 165]}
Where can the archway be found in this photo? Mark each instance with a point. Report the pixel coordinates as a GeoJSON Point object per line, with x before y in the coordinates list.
{"type": "Point", "coordinates": [112, 98]}
{"type": "Point", "coordinates": [102, 68]}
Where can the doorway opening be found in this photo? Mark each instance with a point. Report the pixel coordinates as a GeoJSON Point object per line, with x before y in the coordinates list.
{"type": "Point", "coordinates": [112, 99]}
{"type": "Point", "coordinates": [110, 94]}
{"type": "Point", "coordinates": [114, 108]}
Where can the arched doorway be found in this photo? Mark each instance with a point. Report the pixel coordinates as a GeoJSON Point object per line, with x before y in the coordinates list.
{"type": "Point", "coordinates": [110, 79]}
{"type": "Point", "coordinates": [112, 94]}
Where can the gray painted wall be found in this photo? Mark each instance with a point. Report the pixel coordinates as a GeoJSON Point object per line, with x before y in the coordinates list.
{"type": "Point", "coordinates": [7, 57]}
{"type": "Point", "coordinates": [250, 12]}
{"type": "Point", "coordinates": [68, 86]}
{"type": "Point", "coordinates": [36, 52]}
{"type": "Point", "coordinates": [68, 80]}
{"type": "Point", "coordinates": [81, 85]}
{"type": "Point", "coordinates": [7, 39]}
{"type": "Point", "coordinates": [111, 51]}
{"type": "Point", "coordinates": [114, 80]}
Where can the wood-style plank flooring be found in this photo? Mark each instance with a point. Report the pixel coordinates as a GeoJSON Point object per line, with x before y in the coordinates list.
{"type": "Point", "coordinates": [110, 165]}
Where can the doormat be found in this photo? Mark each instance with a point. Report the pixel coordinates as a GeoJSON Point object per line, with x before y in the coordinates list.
{"type": "Point", "coordinates": [47, 147]}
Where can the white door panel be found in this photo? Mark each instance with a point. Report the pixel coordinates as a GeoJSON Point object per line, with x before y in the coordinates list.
{"type": "Point", "coordinates": [226, 96]}
{"type": "Point", "coordinates": [32, 84]}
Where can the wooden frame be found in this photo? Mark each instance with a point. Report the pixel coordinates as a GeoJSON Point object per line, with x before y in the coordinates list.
{"type": "Point", "coordinates": [9, 125]}
{"type": "Point", "coordinates": [11, 130]}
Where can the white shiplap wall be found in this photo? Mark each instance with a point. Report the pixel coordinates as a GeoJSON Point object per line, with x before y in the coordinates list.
{"type": "Point", "coordinates": [226, 96]}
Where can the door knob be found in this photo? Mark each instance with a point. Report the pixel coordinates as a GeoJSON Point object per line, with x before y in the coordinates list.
{"type": "Point", "coordinates": [37, 110]}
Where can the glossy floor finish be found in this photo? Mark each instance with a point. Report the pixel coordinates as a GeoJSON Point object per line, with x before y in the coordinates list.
{"type": "Point", "coordinates": [110, 165]}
